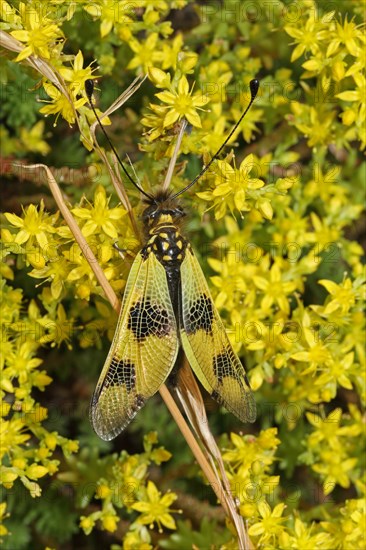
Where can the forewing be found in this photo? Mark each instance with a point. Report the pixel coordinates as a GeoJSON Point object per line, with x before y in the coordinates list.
{"type": "Point", "coordinates": [143, 351]}
{"type": "Point", "coordinates": [207, 345]}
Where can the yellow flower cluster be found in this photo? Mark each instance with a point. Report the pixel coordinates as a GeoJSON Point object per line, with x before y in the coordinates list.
{"type": "Point", "coordinates": [27, 448]}
{"type": "Point", "coordinates": [334, 52]}
{"type": "Point", "coordinates": [125, 485]}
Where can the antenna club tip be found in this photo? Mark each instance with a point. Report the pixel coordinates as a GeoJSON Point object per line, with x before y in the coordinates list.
{"type": "Point", "coordinates": [89, 87]}
{"type": "Point", "coordinates": [254, 87]}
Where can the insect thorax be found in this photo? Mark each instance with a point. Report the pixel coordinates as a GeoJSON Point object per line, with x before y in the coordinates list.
{"type": "Point", "coordinates": [167, 243]}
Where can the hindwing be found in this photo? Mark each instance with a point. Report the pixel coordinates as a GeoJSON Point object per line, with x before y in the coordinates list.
{"type": "Point", "coordinates": [143, 351]}
{"type": "Point", "coordinates": [207, 345]}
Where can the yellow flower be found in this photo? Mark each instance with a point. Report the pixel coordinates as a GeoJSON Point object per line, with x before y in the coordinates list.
{"type": "Point", "coordinates": [133, 540]}
{"type": "Point", "coordinates": [109, 522]}
{"type": "Point", "coordinates": [40, 379]}
{"type": "Point", "coordinates": [155, 121]}
{"type": "Point", "coordinates": [343, 296]}
{"type": "Point", "coordinates": [232, 281]}
{"type": "Point", "coordinates": [213, 139]}
{"type": "Point", "coordinates": [21, 362]}
{"type": "Point", "coordinates": [349, 34]}
{"type": "Point", "coordinates": [83, 275]}
{"type": "Point", "coordinates": [233, 187]}
{"type": "Point", "coordinates": [109, 12]}
{"type": "Point", "coordinates": [32, 139]}
{"type": "Point", "coordinates": [339, 372]}
{"type": "Point", "coordinates": [70, 446]}
{"type": "Point", "coordinates": [58, 330]}
{"type": "Point", "coordinates": [325, 233]}
{"type": "Point", "coordinates": [329, 430]}
{"type": "Point", "coordinates": [170, 52]}
{"type": "Point", "coordinates": [77, 75]}
{"type": "Point", "coordinates": [275, 289]}
{"type": "Point", "coordinates": [146, 53]}
{"type": "Point", "coordinates": [12, 436]}
{"type": "Point", "coordinates": [216, 76]}
{"type": "Point", "coordinates": [35, 224]}
{"type": "Point", "coordinates": [60, 104]}
{"type": "Point", "coordinates": [247, 449]}
{"type": "Point", "coordinates": [103, 491]}
{"type": "Point", "coordinates": [155, 508]}
{"type": "Point", "coordinates": [20, 463]}
{"type": "Point", "coordinates": [39, 34]}
{"type": "Point", "coordinates": [182, 104]}
{"type": "Point", "coordinates": [307, 36]}
{"type": "Point", "coordinates": [8, 14]}
{"type": "Point", "coordinates": [87, 524]}
{"type": "Point", "coordinates": [100, 216]}
{"type": "Point", "coordinates": [51, 440]}
{"type": "Point", "coordinates": [304, 539]}
{"type": "Point", "coordinates": [334, 468]}
{"type": "Point", "coordinates": [8, 476]}
{"type": "Point", "coordinates": [353, 524]}
{"type": "Point", "coordinates": [357, 95]}
{"type": "Point", "coordinates": [35, 471]}
{"type": "Point", "coordinates": [56, 271]}
{"type": "Point", "coordinates": [34, 416]}
{"type": "Point", "coordinates": [316, 125]}
{"type": "Point", "coordinates": [316, 354]}
{"type": "Point", "coordinates": [3, 515]}
{"type": "Point", "coordinates": [270, 524]}
{"type": "Point", "coordinates": [248, 125]}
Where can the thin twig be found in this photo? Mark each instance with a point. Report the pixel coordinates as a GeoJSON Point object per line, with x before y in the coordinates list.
{"type": "Point", "coordinates": [79, 237]}
{"type": "Point", "coordinates": [191, 399]}
{"type": "Point", "coordinates": [114, 171]}
{"type": "Point", "coordinates": [195, 448]}
{"type": "Point", "coordinates": [173, 160]}
{"type": "Point", "coordinates": [125, 95]}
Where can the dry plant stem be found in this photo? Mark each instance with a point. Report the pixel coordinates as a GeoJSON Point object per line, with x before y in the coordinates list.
{"type": "Point", "coordinates": [195, 448]}
{"type": "Point", "coordinates": [173, 160]}
{"type": "Point", "coordinates": [122, 195]}
{"type": "Point", "coordinates": [133, 87]}
{"type": "Point", "coordinates": [114, 173]}
{"type": "Point", "coordinates": [12, 44]}
{"type": "Point", "coordinates": [191, 399]}
{"type": "Point", "coordinates": [110, 294]}
{"type": "Point", "coordinates": [79, 237]}
{"type": "Point", "coordinates": [42, 66]}
{"type": "Point", "coordinates": [120, 190]}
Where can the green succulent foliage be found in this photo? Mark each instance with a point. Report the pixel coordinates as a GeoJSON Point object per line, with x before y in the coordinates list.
{"type": "Point", "coordinates": [209, 536]}
{"type": "Point", "coordinates": [51, 519]}
{"type": "Point", "coordinates": [17, 86]}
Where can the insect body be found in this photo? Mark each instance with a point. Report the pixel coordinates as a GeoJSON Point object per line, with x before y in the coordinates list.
{"type": "Point", "coordinates": [167, 304]}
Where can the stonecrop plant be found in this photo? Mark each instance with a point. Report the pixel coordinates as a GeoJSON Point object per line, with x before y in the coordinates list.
{"type": "Point", "coordinates": [276, 223]}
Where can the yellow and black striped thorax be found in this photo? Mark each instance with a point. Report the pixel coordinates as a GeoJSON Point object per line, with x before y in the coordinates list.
{"type": "Point", "coordinates": [162, 221]}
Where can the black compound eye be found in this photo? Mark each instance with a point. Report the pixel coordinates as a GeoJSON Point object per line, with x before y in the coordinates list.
{"type": "Point", "coordinates": [149, 214]}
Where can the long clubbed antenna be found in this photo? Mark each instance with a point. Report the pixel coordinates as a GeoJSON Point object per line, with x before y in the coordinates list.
{"type": "Point", "coordinates": [89, 89]}
{"type": "Point", "coordinates": [254, 87]}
